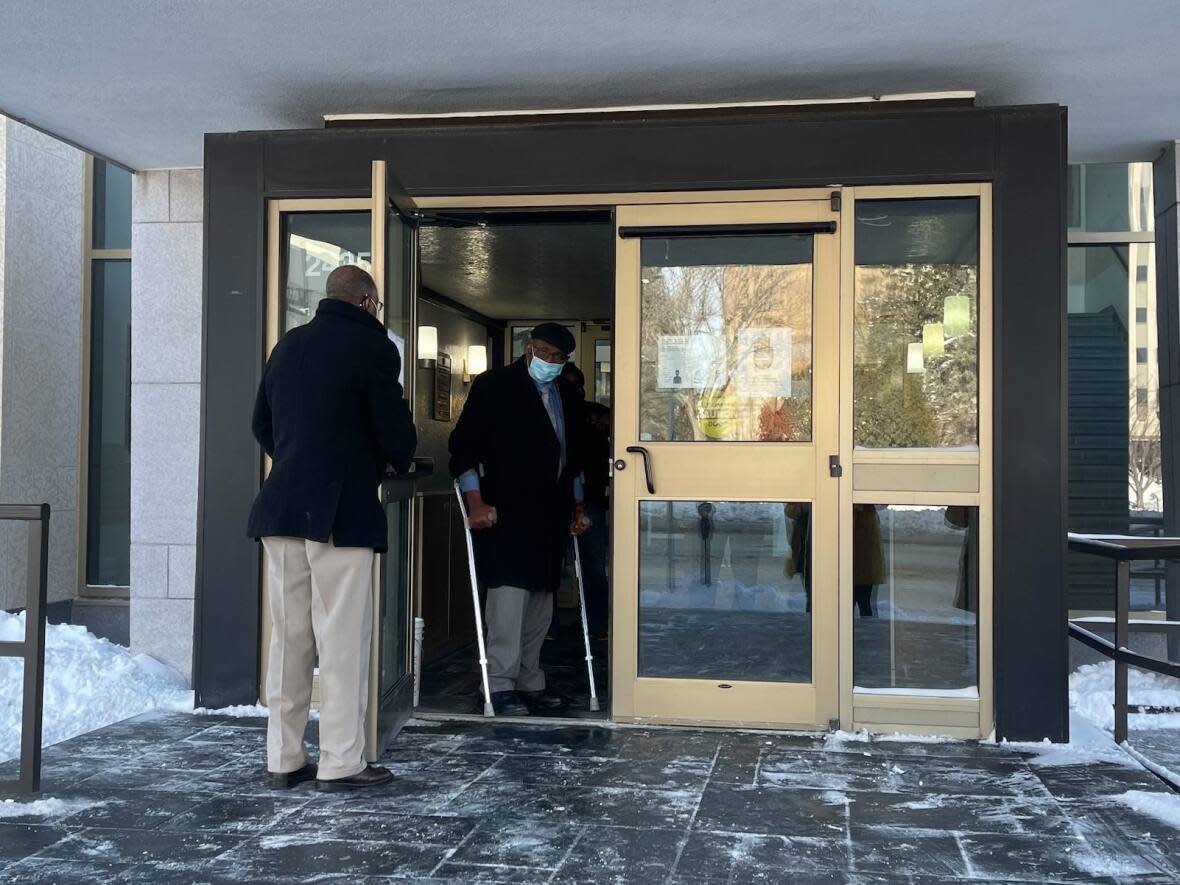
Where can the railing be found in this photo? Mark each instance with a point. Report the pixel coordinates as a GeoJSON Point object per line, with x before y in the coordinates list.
{"type": "Point", "coordinates": [1124, 550]}
{"type": "Point", "coordinates": [32, 647]}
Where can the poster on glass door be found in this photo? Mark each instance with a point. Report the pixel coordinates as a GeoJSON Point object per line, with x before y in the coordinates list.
{"type": "Point", "coordinates": [763, 367]}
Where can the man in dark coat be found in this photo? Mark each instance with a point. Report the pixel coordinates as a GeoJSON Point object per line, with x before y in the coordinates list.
{"type": "Point", "coordinates": [517, 452]}
{"type": "Point", "coordinates": [330, 414]}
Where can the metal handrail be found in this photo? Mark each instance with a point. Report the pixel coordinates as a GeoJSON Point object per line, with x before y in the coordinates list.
{"type": "Point", "coordinates": [1123, 550]}
{"type": "Point", "coordinates": [32, 647]}
{"type": "Point", "coordinates": [1123, 655]}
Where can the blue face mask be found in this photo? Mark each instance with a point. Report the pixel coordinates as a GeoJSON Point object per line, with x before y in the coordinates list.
{"type": "Point", "coordinates": [543, 372]}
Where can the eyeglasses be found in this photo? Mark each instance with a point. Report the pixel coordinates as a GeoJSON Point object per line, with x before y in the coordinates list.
{"type": "Point", "coordinates": [549, 354]}
{"type": "Point", "coordinates": [376, 301]}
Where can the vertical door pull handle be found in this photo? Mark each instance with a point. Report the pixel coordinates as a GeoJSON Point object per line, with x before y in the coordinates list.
{"type": "Point", "coordinates": [640, 450]}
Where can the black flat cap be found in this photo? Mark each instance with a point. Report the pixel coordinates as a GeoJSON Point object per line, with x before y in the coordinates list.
{"type": "Point", "coordinates": [557, 335]}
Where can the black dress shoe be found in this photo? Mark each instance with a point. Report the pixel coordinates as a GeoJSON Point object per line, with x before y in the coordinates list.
{"type": "Point", "coordinates": [506, 703]}
{"type": "Point", "coordinates": [288, 779]}
{"type": "Point", "coordinates": [369, 776]}
{"type": "Point", "coordinates": [541, 703]}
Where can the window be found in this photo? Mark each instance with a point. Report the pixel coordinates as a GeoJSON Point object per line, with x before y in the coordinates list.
{"type": "Point", "coordinates": [316, 244]}
{"type": "Point", "coordinates": [1115, 481]}
{"type": "Point", "coordinates": [915, 573]}
{"type": "Point", "coordinates": [108, 462]}
{"type": "Point", "coordinates": [915, 344]}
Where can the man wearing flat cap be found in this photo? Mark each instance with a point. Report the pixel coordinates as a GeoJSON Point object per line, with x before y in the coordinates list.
{"type": "Point", "coordinates": [517, 453]}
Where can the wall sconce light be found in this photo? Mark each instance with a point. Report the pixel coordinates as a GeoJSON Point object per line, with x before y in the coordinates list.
{"type": "Point", "coordinates": [956, 315]}
{"type": "Point", "coordinates": [427, 346]}
{"type": "Point", "coordinates": [914, 361]}
{"type": "Point", "coordinates": [477, 361]}
{"type": "Point", "coordinates": [933, 340]}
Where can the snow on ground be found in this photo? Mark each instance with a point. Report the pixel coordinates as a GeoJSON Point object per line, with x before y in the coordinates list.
{"type": "Point", "coordinates": [89, 683]}
{"type": "Point", "coordinates": [1087, 744]}
{"type": "Point", "coordinates": [1163, 807]}
{"type": "Point", "coordinates": [836, 738]}
{"type": "Point", "coordinates": [1091, 693]}
{"type": "Point", "coordinates": [45, 808]}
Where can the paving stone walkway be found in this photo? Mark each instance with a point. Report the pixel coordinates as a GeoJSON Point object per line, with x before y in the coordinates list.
{"type": "Point", "coordinates": [180, 798]}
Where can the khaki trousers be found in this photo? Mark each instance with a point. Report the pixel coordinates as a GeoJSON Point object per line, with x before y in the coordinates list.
{"type": "Point", "coordinates": [320, 599]}
{"type": "Point", "coordinates": [518, 621]}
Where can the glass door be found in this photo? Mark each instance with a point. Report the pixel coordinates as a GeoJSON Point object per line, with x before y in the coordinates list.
{"type": "Point", "coordinates": [395, 249]}
{"type": "Point", "coordinates": [307, 240]}
{"type": "Point", "coordinates": [725, 492]}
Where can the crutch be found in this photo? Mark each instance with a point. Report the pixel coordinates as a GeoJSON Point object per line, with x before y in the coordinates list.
{"type": "Point", "coordinates": [488, 709]}
{"type": "Point", "coordinates": [585, 624]}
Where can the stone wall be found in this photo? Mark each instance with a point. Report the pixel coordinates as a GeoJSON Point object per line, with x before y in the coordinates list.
{"type": "Point", "coordinates": [41, 203]}
{"type": "Point", "coordinates": [166, 238]}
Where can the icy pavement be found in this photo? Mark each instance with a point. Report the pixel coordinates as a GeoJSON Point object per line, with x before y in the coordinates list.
{"type": "Point", "coordinates": [180, 798]}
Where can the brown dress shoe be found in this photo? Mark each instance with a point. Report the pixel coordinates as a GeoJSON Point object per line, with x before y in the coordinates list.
{"type": "Point", "coordinates": [369, 776]}
{"type": "Point", "coordinates": [288, 779]}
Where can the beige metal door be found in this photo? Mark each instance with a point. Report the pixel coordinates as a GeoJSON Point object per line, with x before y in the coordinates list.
{"type": "Point", "coordinates": [725, 507]}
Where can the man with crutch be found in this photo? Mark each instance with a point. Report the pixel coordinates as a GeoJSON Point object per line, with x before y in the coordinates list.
{"type": "Point", "coordinates": [517, 454]}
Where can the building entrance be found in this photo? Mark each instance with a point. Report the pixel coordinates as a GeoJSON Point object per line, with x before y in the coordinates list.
{"type": "Point", "coordinates": [796, 469]}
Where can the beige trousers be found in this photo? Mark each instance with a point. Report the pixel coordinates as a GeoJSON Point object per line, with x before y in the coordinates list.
{"type": "Point", "coordinates": [320, 599]}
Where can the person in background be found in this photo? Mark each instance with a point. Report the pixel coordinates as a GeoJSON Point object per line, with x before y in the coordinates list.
{"type": "Point", "coordinates": [517, 453]}
{"type": "Point", "coordinates": [330, 415]}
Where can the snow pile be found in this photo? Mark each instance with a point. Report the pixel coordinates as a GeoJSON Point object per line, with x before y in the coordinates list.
{"type": "Point", "coordinates": [89, 683]}
{"type": "Point", "coordinates": [1164, 807]}
{"type": "Point", "coordinates": [1091, 693]}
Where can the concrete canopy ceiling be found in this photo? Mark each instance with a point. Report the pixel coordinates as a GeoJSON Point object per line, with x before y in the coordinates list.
{"type": "Point", "coordinates": [141, 81]}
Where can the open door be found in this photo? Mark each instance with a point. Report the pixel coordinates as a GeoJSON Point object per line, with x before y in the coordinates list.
{"type": "Point", "coordinates": [391, 678]}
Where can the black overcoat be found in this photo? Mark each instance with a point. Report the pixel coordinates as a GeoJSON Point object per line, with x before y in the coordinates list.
{"type": "Point", "coordinates": [505, 429]}
{"type": "Point", "coordinates": [330, 413]}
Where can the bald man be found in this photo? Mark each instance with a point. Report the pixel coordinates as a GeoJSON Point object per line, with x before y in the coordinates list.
{"type": "Point", "coordinates": [331, 416]}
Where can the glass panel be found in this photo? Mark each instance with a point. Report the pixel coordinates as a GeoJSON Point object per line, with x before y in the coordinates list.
{"type": "Point", "coordinates": [723, 590]}
{"type": "Point", "coordinates": [915, 344]}
{"type": "Point", "coordinates": [108, 495]}
{"type": "Point", "coordinates": [725, 332]}
{"type": "Point", "coordinates": [1110, 197]}
{"type": "Point", "coordinates": [915, 573]}
{"type": "Point", "coordinates": [1115, 480]}
{"type": "Point", "coordinates": [316, 244]}
{"type": "Point", "coordinates": [602, 373]}
{"type": "Point", "coordinates": [111, 206]}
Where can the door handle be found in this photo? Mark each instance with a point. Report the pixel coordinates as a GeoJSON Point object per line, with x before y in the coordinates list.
{"type": "Point", "coordinates": [647, 473]}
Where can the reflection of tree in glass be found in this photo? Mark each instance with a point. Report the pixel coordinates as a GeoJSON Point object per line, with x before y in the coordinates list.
{"type": "Point", "coordinates": [895, 408]}
{"type": "Point", "coordinates": [1145, 463]}
{"type": "Point", "coordinates": [721, 302]}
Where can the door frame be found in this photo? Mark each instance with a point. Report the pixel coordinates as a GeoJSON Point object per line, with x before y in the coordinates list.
{"type": "Point", "coordinates": [802, 475]}
{"type": "Point", "coordinates": [377, 207]}
{"type": "Point", "coordinates": [955, 717]}
{"type": "Point", "coordinates": [951, 475]}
